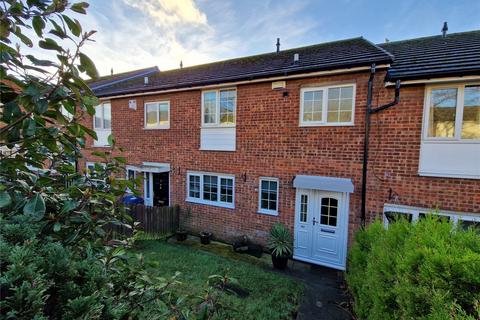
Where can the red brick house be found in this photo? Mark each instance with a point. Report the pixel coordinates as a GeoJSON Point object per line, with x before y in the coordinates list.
{"type": "Point", "coordinates": [285, 136]}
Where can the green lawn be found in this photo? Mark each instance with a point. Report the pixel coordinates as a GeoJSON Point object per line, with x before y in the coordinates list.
{"type": "Point", "coordinates": [271, 295]}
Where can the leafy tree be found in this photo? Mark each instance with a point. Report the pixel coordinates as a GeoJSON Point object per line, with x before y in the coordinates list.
{"type": "Point", "coordinates": [56, 260]}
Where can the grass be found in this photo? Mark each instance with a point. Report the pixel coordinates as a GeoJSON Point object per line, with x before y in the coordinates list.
{"type": "Point", "coordinates": [271, 295]}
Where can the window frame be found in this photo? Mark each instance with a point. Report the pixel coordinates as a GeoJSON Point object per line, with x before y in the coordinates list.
{"type": "Point", "coordinates": [460, 105]}
{"type": "Point", "coordinates": [324, 122]}
{"type": "Point", "coordinates": [263, 210]}
{"type": "Point", "coordinates": [201, 200]}
{"type": "Point", "coordinates": [455, 217]}
{"type": "Point", "coordinates": [157, 126]}
{"type": "Point", "coordinates": [102, 117]}
{"type": "Point", "coordinates": [217, 123]}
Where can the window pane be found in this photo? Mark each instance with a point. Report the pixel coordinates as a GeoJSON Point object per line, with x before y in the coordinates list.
{"type": "Point", "coordinates": [340, 104]}
{"type": "Point", "coordinates": [98, 117]}
{"type": "Point", "coordinates": [467, 224]}
{"type": "Point", "coordinates": [107, 116]}
{"type": "Point", "coordinates": [443, 107]}
{"type": "Point", "coordinates": [312, 105]}
{"type": "Point", "coordinates": [151, 110]}
{"type": "Point", "coordinates": [164, 114]}
{"type": "Point", "coordinates": [226, 190]}
{"type": "Point", "coordinates": [210, 188]}
{"type": "Point", "coordinates": [303, 208]}
{"type": "Point", "coordinates": [209, 107]}
{"type": "Point", "coordinates": [194, 186]}
{"type": "Point", "coordinates": [328, 211]}
{"type": "Point", "coordinates": [471, 113]}
{"type": "Point", "coordinates": [268, 195]}
{"type": "Point", "coordinates": [227, 106]}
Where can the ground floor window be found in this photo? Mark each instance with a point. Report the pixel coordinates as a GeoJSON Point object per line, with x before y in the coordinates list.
{"type": "Point", "coordinates": [394, 212]}
{"type": "Point", "coordinates": [211, 188]}
{"type": "Point", "coordinates": [268, 196]}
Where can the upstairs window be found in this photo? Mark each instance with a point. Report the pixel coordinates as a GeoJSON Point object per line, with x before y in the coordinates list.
{"type": "Point", "coordinates": [102, 124]}
{"type": "Point", "coordinates": [219, 107]}
{"type": "Point", "coordinates": [453, 112]}
{"type": "Point", "coordinates": [157, 115]}
{"type": "Point", "coordinates": [103, 117]}
{"type": "Point", "coordinates": [324, 106]}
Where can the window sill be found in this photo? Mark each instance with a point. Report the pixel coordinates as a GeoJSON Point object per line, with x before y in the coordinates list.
{"type": "Point", "coordinates": [454, 175]}
{"type": "Point", "coordinates": [101, 146]}
{"type": "Point", "coordinates": [450, 141]}
{"type": "Point", "coordinates": [268, 212]}
{"type": "Point", "coordinates": [210, 203]}
{"type": "Point", "coordinates": [203, 126]}
{"type": "Point", "coordinates": [323, 124]}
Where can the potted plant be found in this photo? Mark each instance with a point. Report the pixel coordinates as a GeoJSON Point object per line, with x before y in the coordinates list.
{"type": "Point", "coordinates": [181, 233]}
{"type": "Point", "coordinates": [205, 237]}
{"type": "Point", "coordinates": [280, 245]}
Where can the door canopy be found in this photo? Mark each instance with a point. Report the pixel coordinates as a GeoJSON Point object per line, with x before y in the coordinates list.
{"type": "Point", "coordinates": [323, 183]}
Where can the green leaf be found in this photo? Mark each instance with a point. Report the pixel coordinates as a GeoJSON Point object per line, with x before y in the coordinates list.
{"type": "Point", "coordinates": [5, 199]}
{"type": "Point", "coordinates": [35, 207]}
{"type": "Point", "coordinates": [4, 28]}
{"type": "Point", "coordinates": [74, 26]}
{"type": "Point", "coordinates": [49, 44]}
{"type": "Point", "coordinates": [57, 226]}
{"type": "Point", "coordinates": [68, 206]}
{"type": "Point", "coordinates": [38, 25]}
{"type": "Point", "coordinates": [80, 7]}
{"type": "Point", "coordinates": [29, 127]}
{"type": "Point", "coordinates": [41, 106]}
{"type": "Point", "coordinates": [26, 40]}
{"type": "Point", "coordinates": [88, 65]}
{"type": "Point", "coordinates": [111, 140]}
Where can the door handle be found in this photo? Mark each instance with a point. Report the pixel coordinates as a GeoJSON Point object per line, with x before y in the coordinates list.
{"type": "Point", "coordinates": [314, 221]}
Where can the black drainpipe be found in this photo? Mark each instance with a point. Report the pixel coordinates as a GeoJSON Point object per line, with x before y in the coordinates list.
{"type": "Point", "coordinates": [368, 113]}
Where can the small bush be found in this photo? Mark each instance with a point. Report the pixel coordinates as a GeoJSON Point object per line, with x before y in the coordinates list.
{"type": "Point", "coordinates": [425, 270]}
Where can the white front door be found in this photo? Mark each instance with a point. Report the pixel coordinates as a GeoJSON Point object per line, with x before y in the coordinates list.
{"type": "Point", "coordinates": [321, 227]}
{"type": "Point", "coordinates": [148, 189]}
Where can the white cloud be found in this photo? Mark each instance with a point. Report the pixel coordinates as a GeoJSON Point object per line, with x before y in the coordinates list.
{"type": "Point", "coordinates": [135, 34]}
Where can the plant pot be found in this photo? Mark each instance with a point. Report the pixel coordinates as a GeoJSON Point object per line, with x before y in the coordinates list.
{"type": "Point", "coordinates": [205, 237]}
{"type": "Point", "coordinates": [181, 235]}
{"type": "Point", "coordinates": [279, 262]}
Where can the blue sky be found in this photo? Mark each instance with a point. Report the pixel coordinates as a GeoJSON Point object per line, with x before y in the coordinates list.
{"type": "Point", "coordinates": [134, 34]}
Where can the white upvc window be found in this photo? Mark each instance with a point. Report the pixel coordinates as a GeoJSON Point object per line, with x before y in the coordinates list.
{"type": "Point", "coordinates": [103, 117]}
{"type": "Point", "coordinates": [268, 196]}
{"type": "Point", "coordinates": [211, 188]}
{"type": "Point", "coordinates": [102, 124]}
{"type": "Point", "coordinates": [219, 107]}
{"type": "Point", "coordinates": [450, 143]}
{"type": "Point", "coordinates": [452, 113]}
{"type": "Point", "coordinates": [327, 105]}
{"type": "Point", "coordinates": [392, 212]}
{"type": "Point", "coordinates": [90, 167]}
{"type": "Point", "coordinates": [157, 115]}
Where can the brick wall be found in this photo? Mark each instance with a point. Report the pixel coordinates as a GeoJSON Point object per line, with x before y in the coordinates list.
{"type": "Point", "coordinates": [271, 143]}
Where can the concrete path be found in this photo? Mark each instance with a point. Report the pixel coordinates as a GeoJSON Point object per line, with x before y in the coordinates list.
{"type": "Point", "coordinates": [324, 296]}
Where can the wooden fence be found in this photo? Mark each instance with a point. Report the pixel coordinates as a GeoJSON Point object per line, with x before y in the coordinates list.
{"type": "Point", "coordinates": [153, 220]}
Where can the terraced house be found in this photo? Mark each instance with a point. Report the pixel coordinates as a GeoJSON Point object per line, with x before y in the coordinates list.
{"type": "Point", "coordinates": [322, 138]}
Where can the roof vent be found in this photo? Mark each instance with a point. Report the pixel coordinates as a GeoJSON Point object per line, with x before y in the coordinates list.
{"type": "Point", "coordinates": [296, 58]}
{"type": "Point", "coordinates": [111, 72]}
{"type": "Point", "coordinates": [278, 44]}
{"type": "Point", "coordinates": [181, 64]}
{"type": "Point", "coordinates": [444, 29]}
{"type": "Point", "coordinates": [145, 80]}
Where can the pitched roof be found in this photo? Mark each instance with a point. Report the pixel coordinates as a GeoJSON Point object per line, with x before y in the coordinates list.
{"type": "Point", "coordinates": [109, 80]}
{"type": "Point", "coordinates": [457, 54]}
{"type": "Point", "coordinates": [325, 56]}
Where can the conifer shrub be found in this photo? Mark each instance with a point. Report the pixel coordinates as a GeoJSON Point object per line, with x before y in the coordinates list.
{"type": "Point", "coordinates": [428, 269]}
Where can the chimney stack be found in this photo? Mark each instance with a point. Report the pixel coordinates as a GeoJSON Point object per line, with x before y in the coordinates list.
{"type": "Point", "coordinates": [111, 72]}
{"type": "Point", "coordinates": [278, 44]}
{"type": "Point", "coordinates": [181, 64]}
{"type": "Point", "coordinates": [444, 29]}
